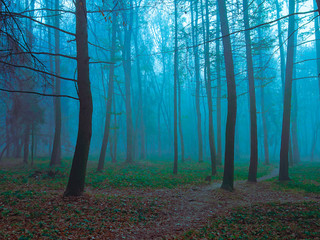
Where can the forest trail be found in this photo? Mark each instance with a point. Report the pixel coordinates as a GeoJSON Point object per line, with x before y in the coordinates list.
{"type": "Point", "coordinates": [189, 208]}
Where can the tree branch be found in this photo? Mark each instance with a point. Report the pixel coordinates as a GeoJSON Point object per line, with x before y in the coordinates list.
{"type": "Point", "coordinates": [37, 93]}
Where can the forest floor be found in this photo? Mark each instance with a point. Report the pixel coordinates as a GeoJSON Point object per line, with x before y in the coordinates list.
{"type": "Point", "coordinates": [32, 207]}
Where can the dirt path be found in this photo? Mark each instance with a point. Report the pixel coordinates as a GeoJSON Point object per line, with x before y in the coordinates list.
{"type": "Point", "coordinates": [190, 208]}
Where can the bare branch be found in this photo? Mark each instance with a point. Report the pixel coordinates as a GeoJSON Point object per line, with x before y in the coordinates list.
{"type": "Point", "coordinates": [37, 70]}
{"type": "Point", "coordinates": [37, 93]}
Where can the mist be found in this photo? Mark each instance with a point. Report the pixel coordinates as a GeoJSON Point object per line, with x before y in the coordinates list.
{"type": "Point", "coordinates": [204, 93]}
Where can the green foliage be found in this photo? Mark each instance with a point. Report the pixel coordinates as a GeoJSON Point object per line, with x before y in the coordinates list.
{"type": "Point", "coordinates": [157, 174]}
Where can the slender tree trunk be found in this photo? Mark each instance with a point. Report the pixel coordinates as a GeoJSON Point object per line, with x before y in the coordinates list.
{"type": "Point", "coordinates": [32, 144]}
{"type": "Point", "coordinates": [218, 70]}
{"type": "Point", "coordinates": [180, 123]}
{"type": "Point", "coordinates": [285, 137]}
{"type": "Point", "coordinates": [110, 95]}
{"type": "Point", "coordinates": [176, 79]}
{"type": "Point", "coordinates": [294, 127]}
{"type": "Point", "coordinates": [127, 73]}
{"type": "Point", "coordinates": [314, 142]}
{"type": "Point", "coordinates": [142, 132]}
{"type": "Point", "coordinates": [197, 75]}
{"type": "Point", "coordinates": [76, 181]}
{"type": "Point", "coordinates": [253, 110]}
{"type": "Point", "coordinates": [265, 129]}
{"type": "Point", "coordinates": [159, 130]}
{"type": "Point", "coordinates": [56, 151]}
{"type": "Point", "coordinates": [26, 144]}
{"type": "Point", "coordinates": [262, 102]}
{"type": "Point", "coordinates": [209, 95]}
{"type": "Point", "coordinates": [282, 56]}
{"type": "Point", "coordinates": [228, 174]}
{"type": "Point", "coordinates": [8, 136]}
{"type": "Point", "coordinates": [317, 37]}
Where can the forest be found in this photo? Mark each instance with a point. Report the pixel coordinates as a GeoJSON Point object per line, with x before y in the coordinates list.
{"type": "Point", "coordinates": [116, 125]}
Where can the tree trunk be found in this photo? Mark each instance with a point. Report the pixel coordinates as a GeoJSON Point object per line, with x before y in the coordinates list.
{"type": "Point", "coordinates": [317, 39]}
{"type": "Point", "coordinates": [209, 95]}
{"type": "Point", "coordinates": [180, 123]}
{"type": "Point", "coordinates": [8, 136]}
{"type": "Point", "coordinates": [282, 57]}
{"type": "Point", "coordinates": [253, 110]}
{"type": "Point", "coordinates": [141, 128]}
{"type": "Point", "coordinates": [218, 70]}
{"type": "Point", "coordinates": [228, 174]}
{"type": "Point", "coordinates": [294, 127]}
{"type": "Point", "coordinates": [56, 151]}
{"type": "Point", "coordinates": [176, 79]}
{"type": "Point", "coordinates": [284, 164]}
{"type": "Point", "coordinates": [263, 110]}
{"type": "Point", "coordinates": [110, 95]}
{"type": "Point", "coordinates": [32, 144]}
{"type": "Point", "coordinates": [26, 144]}
{"type": "Point", "coordinates": [197, 75]}
{"type": "Point", "coordinates": [76, 181]}
{"type": "Point", "coordinates": [127, 73]}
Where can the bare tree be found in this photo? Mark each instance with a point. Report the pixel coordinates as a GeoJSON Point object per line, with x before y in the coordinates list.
{"type": "Point", "coordinates": [228, 174]}
{"type": "Point", "coordinates": [77, 175]}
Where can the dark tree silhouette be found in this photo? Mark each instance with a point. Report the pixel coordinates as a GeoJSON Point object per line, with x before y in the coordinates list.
{"type": "Point", "coordinates": [228, 174]}
{"type": "Point", "coordinates": [76, 181]}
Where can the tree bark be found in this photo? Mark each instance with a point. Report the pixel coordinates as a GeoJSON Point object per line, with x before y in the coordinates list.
{"type": "Point", "coordinates": [228, 174]}
{"type": "Point", "coordinates": [253, 110]}
{"type": "Point", "coordinates": [284, 163]}
{"type": "Point", "coordinates": [76, 181]}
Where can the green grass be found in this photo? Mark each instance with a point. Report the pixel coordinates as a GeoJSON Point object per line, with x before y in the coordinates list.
{"type": "Point", "coordinates": [304, 177]}
{"type": "Point", "coordinates": [263, 221]}
{"type": "Point", "coordinates": [157, 174]}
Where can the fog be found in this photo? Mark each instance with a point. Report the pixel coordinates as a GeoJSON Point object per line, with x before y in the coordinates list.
{"type": "Point", "coordinates": [134, 45]}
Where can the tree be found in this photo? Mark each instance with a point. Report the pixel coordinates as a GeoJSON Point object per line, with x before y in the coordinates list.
{"type": "Point", "coordinates": [56, 151]}
{"type": "Point", "coordinates": [281, 47]}
{"type": "Point", "coordinates": [110, 94]}
{"type": "Point", "coordinates": [75, 186]}
{"type": "Point", "coordinates": [317, 39]}
{"type": "Point", "coordinates": [228, 174]}
{"type": "Point", "coordinates": [209, 94]}
{"type": "Point", "coordinates": [126, 54]}
{"type": "Point", "coordinates": [294, 121]}
{"type": "Point", "coordinates": [176, 79]}
{"type": "Point", "coordinates": [285, 136]}
{"type": "Point", "coordinates": [140, 115]}
{"type": "Point", "coordinates": [261, 75]}
{"type": "Point", "coordinates": [218, 70]}
{"type": "Point", "coordinates": [253, 110]}
{"type": "Point", "coordinates": [195, 40]}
